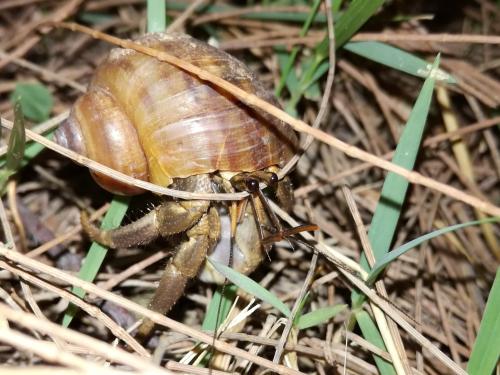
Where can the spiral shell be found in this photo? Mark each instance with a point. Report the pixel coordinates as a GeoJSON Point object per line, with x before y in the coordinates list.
{"type": "Point", "coordinates": [155, 122]}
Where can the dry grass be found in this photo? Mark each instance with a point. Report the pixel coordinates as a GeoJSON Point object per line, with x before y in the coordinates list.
{"type": "Point", "coordinates": [437, 292]}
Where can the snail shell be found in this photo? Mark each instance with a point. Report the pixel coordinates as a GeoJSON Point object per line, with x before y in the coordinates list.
{"type": "Point", "coordinates": [155, 122]}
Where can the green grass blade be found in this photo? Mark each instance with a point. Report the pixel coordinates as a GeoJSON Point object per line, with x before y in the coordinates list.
{"type": "Point", "coordinates": [371, 333]}
{"type": "Point", "coordinates": [388, 211]}
{"type": "Point", "coordinates": [486, 350]}
{"type": "Point", "coordinates": [350, 22]}
{"type": "Point", "coordinates": [156, 16]}
{"type": "Point", "coordinates": [321, 69]}
{"type": "Point", "coordinates": [95, 257]}
{"type": "Point", "coordinates": [250, 286]}
{"type": "Point", "coordinates": [397, 59]}
{"type": "Point", "coordinates": [287, 66]}
{"type": "Point", "coordinates": [292, 81]}
{"type": "Point", "coordinates": [300, 309]}
{"type": "Point", "coordinates": [347, 25]}
{"type": "Point", "coordinates": [318, 316]}
{"type": "Point", "coordinates": [36, 100]}
{"type": "Point", "coordinates": [316, 70]}
{"type": "Point", "coordinates": [219, 307]}
{"type": "Point", "coordinates": [357, 14]}
{"type": "Point", "coordinates": [394, 254]}
{"type": "Point", "coordinates": [336, 4]}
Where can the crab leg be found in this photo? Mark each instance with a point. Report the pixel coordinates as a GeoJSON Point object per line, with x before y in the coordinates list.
{"type": "Point", "coordinates": [171, 217]}
{"type": "Point", "coordinates": [183, 266]}
{"type": "Point", "coordinates": [168, 218]}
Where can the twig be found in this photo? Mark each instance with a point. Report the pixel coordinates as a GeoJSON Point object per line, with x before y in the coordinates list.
{"type": "Point", "coordinates": [44, 72]}
{"type": "Point", "coordinates": [430, 142]}
{"type": "Point", "coordinates": [390, 335]}
{"type": "Point", "coordinates": [373, 296]}
{"type": "Point", "coordinates": [154, 316]}
{"type": "Point", "coordinates": [295, 310]}
{"type": "Point", "coordinates": [188, 12]}
{"type": "Point", "coordinates": [46, 350]}
{"type": "Point", "coordinates": [326, 94]}
{"type": "Point", "coordinates": [298, 125]}
{"type": "Point", "coordinates": [67, 8]}
{"type": "Point", "coordinates": [96, 346]}
{"type": "Point", "coordinates": [89, 309]}
{"type": "Point", "coordinates": [438, 38]}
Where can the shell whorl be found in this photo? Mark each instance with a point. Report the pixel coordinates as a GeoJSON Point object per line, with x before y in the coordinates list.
{"type": "Point", "coordinates": [181, 125]}
{"type": "Point", "coordinates": [98, 129]}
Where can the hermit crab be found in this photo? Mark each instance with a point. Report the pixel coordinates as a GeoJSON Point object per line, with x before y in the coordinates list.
{"type": "Point", "coordinates": [155, 122]}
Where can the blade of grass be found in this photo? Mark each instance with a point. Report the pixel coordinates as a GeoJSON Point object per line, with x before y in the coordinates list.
{"type": "Point", "coordinates": [295, 50]}
{"type": "Point", "coordinates": [348, 24]}
{"type": "Point", "coordinates": [336, 4]}
{"type": "Point", "coordinates": [156, 16]}
{"type": "Point", "coordinates": [371, 334]}
{"type": "Point", "coordinates": [375, 51]}
{"type": "Point", "coordinates": [486, 350]}
{"type": "Point", "coordinates": [318, 316]}
{"type": "Point", "coordinates": [397, 59]}
{"type": "Point", "coordinates": [32, 150]}
{"type": "Point", "coordinates": [300, 308]}
{"type": "Point", "coordinates": [95, 257]}
{"type": "Point", "coordinates": [388, 210]}
{"type": "Point", "coordinates": [318, 69]}
{"type": "Point", "coordinates": [219, 307]}
{"type": "Point", "coordinates": [93, 18]}
{"type": "Point", "coordinates": [292, 81]}
{"type": "Point", "coordinates": [385, 260]}
{"type": "Point", "coordinates": [250, 286]}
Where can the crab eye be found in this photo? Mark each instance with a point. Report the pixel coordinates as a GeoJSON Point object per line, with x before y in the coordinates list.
{"type": "Point", "coordinates": [273, 179]}
{"type": "Point", "coordinates": [252, 185]}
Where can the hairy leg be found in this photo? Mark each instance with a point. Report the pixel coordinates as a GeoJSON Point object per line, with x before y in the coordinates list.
{"type": "Point", "coordinates": [183, 266]}
{"type": "Point", "coordinates": [168, 218]}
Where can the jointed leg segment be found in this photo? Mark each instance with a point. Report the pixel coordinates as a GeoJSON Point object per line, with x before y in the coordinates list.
{"type": "Point", "coordinates": [169, 218]}
{"type": "Point", "coordinates": [184, 265]}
